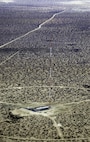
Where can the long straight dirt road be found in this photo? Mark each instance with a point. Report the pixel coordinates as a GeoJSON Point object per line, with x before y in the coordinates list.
{"type": "Point", "coordinates": [36, 29]}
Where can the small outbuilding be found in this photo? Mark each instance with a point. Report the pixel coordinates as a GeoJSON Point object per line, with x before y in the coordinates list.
{"type": "Point", "coordinates": [41, 108]}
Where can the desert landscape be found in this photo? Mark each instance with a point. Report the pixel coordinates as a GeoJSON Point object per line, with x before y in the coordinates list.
{"type": "Point", "coordinates": [44, 61]}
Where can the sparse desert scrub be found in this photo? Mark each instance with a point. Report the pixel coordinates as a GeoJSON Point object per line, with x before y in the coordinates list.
{"type": "Point", "coordinates": [76, 122]}
{"type": "Point", "coordinates": [43, 94]}
{"type": "Point", "coordinates": [34, 126]}
{"type": "Point", "coordinates": [23, 77]}
{"type": "Point", "coordinates": [18, 21]}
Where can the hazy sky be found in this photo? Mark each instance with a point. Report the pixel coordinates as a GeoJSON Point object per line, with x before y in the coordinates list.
{"type": "Point", "coordinates": [67, 2]}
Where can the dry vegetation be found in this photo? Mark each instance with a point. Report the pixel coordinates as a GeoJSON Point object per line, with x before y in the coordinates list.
{"type": "Point", "coordinates": [18, 20]}
{"type": "Point", "coordinates": [25, 77]}
{"type": "Point", "coordinates": [74, 118]}
{"type": "Point", "coordinates": [43, 94]}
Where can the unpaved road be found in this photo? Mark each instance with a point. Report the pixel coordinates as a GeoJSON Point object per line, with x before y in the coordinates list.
{"type": "Point", "coordinates": [8, 58]}
{"type": "Point", "coordinates": [39, 27]}
{"type": "Point", "coordinates": [24, 113]}
{"type": "Point", "coordinates": [36, 29]}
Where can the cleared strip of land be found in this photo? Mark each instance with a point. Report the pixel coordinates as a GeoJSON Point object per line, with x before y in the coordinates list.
{"type": "Point", "coordinates": [19, 104]}
{"type": "Point", "coordinates": [9, 58]}
{"type": "Point", "coordinates": [39, 27]}
{"type": "Point", "coordinates": [27, 87]}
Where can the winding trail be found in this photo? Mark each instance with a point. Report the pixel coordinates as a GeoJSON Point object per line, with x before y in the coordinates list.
{"type": "Point", "coordinates": [25, 112]}
{"type": "Point", "coordinates": [32, 31]}
{"type": "Point", "coordinates": [59, 132]}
